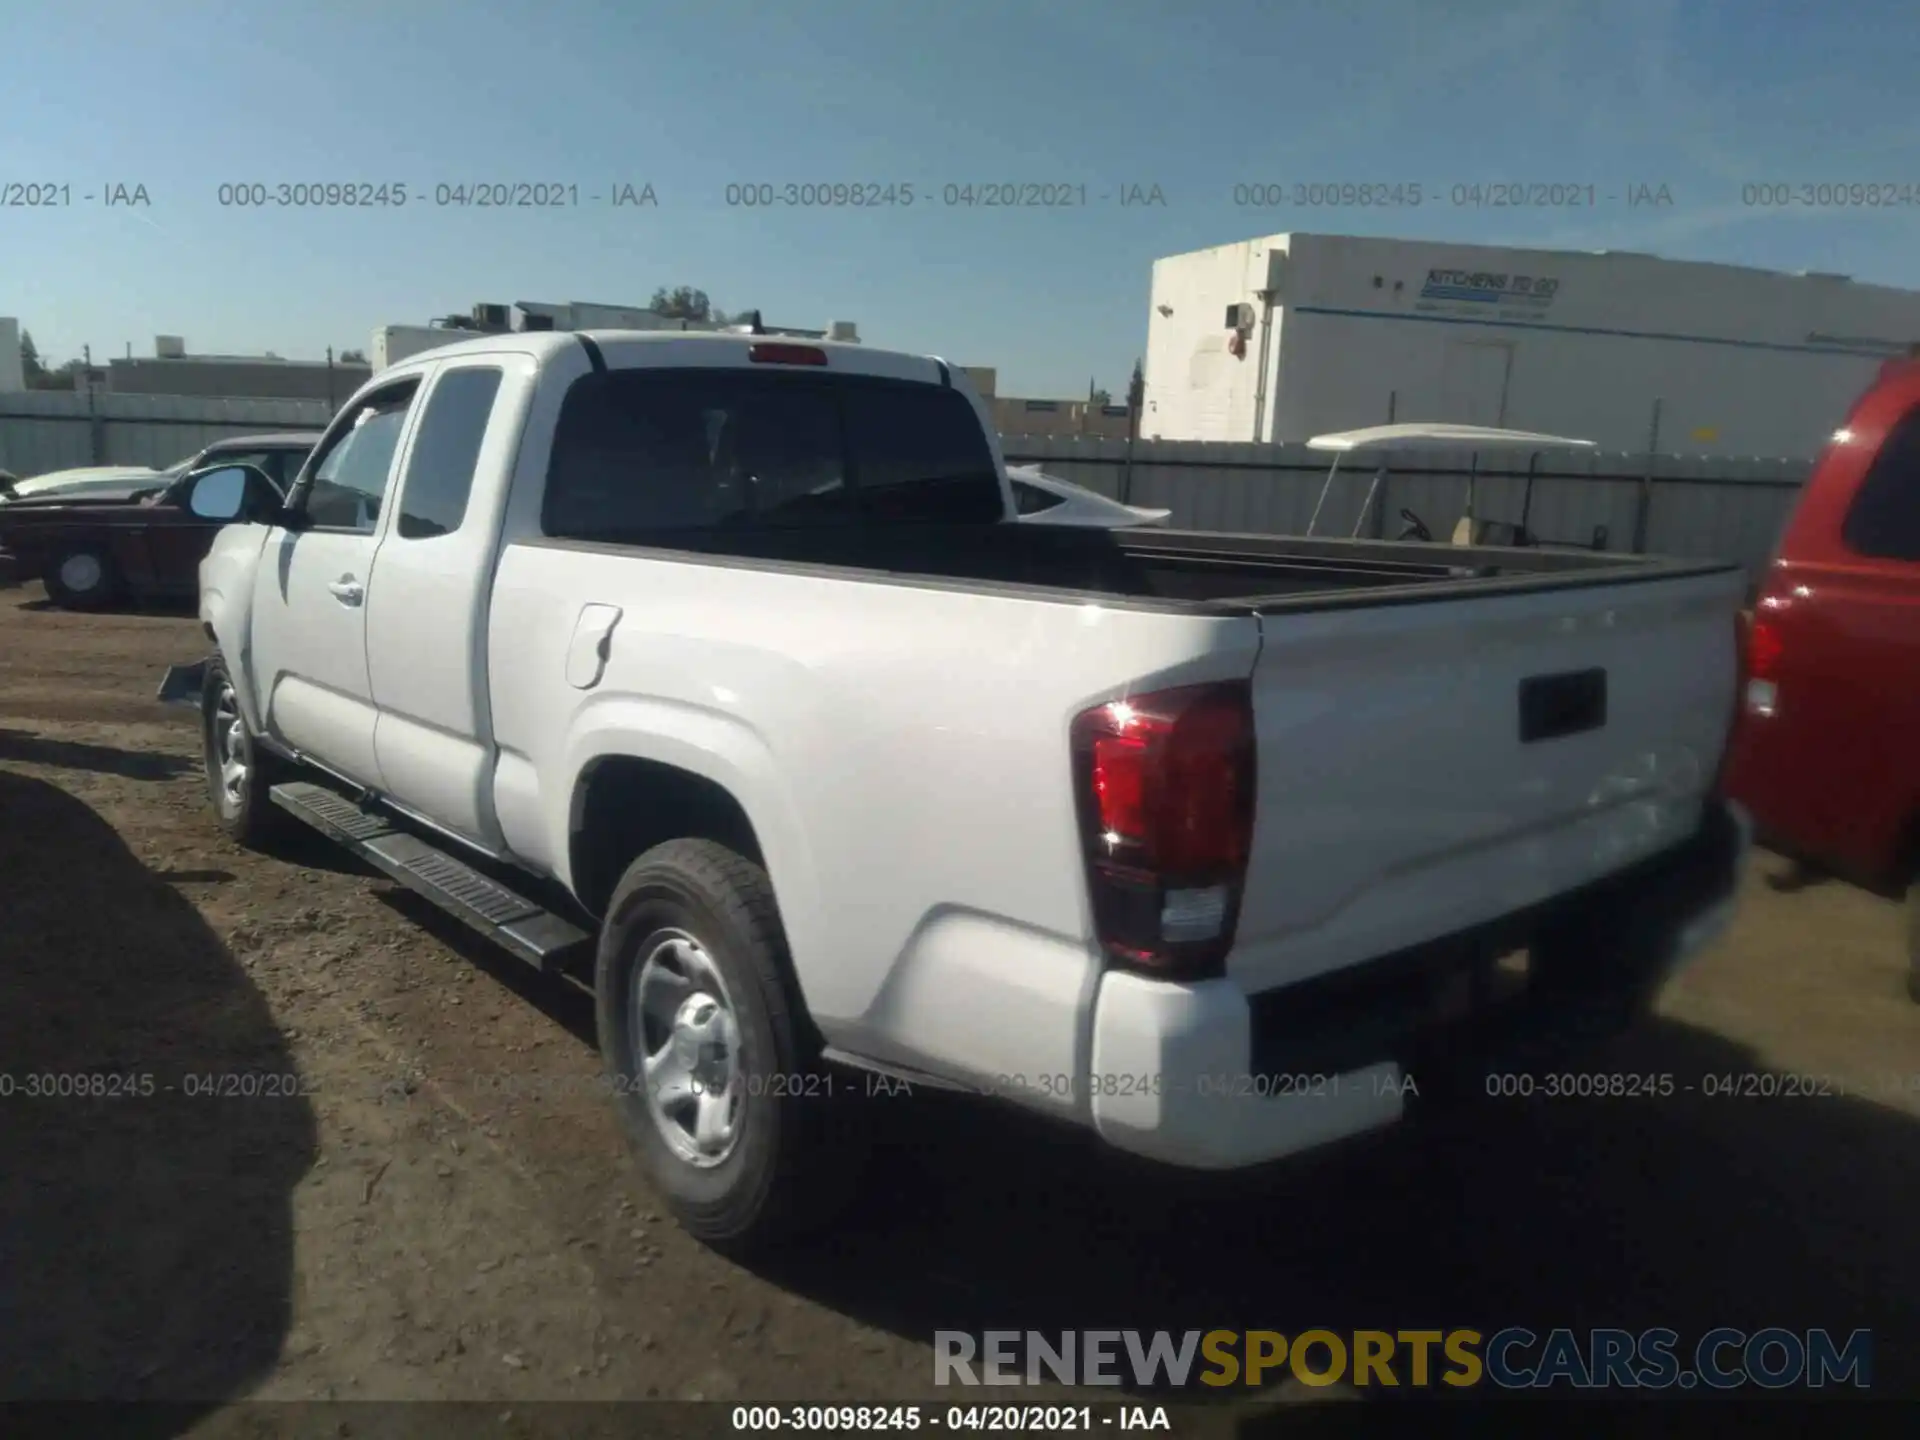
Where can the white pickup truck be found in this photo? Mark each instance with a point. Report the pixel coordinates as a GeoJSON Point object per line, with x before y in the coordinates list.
{"type": "Point", "coordinates": [719, 664]}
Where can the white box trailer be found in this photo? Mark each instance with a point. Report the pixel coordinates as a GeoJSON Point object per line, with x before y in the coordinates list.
{"type": "Point", "coordinates": [394, 343]}
{"type": "Point", "coordinates": [1282, 338]}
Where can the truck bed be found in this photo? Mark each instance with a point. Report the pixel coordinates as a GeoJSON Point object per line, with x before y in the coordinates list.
{"type": "Point", "coordinates": [1188, 571]}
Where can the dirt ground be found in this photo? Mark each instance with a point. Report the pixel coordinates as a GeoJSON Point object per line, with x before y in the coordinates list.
{"type": "Point", "coordinates": [417, 1193]}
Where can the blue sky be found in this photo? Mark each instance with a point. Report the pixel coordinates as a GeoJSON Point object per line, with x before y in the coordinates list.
{"type": "Point", "coordinates": [1195, 97]}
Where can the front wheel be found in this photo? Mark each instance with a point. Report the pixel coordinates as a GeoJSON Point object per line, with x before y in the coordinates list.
{"type": "Point", "coordinates": [82, 578]}
{"type": "Point", "coordinates": [238, 772]}
{"type": "Point", "coordinates": [718, 1082]}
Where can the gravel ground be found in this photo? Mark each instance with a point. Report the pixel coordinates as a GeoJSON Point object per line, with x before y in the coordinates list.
{"type": "Point", "coordinates": [416, 1193]}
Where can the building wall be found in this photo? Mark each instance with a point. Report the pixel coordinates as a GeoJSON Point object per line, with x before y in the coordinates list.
{"type": "Point", "coordinates": [1013, 415]}
{"type": "Point", "coordinates": [1742, 361]}
{"type": "Point", "coordinates": [265, 379]}
{"type": "Point", "coordinates": [394, 343]}
{"type": "Point", "coordinates": [1196, 388]}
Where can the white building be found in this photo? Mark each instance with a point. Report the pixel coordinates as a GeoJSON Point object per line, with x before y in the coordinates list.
{"type": "Point", "coordinates": [1290, 336]}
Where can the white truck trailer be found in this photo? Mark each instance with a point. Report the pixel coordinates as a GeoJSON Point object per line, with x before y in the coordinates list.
{"type": "Point", "coordinates": [1289, 336]}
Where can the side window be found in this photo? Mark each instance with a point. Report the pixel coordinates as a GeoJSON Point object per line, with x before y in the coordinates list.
{"type": "Point", "coordinates": [259, 459]}
{"type": "Point", "coordinates": [357, 462]}
{"type": "Point", "coordinates": [439, 478]}
{"type": "Point", "coordinates": [286, 466]}
{"type": "Point", "coordinates": [1884, 519]}
{"type": "Point", "coordinates": [1031, 499]}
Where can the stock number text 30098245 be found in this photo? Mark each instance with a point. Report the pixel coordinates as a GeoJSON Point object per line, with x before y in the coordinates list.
{"type": "Point", "coordinates": [1242, 1086]}
{"type": "Point", "coordinates": [1061, 1086]}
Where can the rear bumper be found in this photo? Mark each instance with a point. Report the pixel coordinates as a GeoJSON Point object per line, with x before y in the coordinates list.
{"type": "Point", "coordinates": [1208, 1077]}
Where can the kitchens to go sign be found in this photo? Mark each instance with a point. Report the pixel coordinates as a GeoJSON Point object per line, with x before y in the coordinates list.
{"type": "Point", "coordinates": [1469, 290]}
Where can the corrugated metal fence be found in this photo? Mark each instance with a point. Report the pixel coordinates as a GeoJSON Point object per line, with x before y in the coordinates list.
{"type": "Point", "coordinates": [1721, 508]}
{"type": "Point", "coordinates": [43, 430]}
{"type": "Point", "coordinates": [1711, 508]}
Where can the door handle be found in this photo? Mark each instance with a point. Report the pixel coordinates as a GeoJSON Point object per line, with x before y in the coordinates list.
{"type": "Point", "coordinates": [347, 590]}
{"type": "Point", "coordinates": [592, 645]}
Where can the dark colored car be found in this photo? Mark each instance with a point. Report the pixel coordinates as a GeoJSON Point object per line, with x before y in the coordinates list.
{"type": "Point", "coordinates": [1826, 751]}
{"type": "Point", "coordinates": [92, 551]}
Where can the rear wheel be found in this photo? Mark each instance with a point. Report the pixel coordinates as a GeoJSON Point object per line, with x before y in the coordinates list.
{"type": "Point", "coordinates": [238, 772]}
{"type": "Point", "coordinates": [82, 578]}
{"type": "Point", "coordinates": [718, 1081]}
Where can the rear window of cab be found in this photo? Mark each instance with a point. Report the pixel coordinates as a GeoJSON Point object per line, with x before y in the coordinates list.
{"type": "Point", "coordinates": [645, 451]}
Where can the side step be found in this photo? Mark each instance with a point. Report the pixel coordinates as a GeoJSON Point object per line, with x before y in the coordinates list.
{"type": "Point", "coordinates": [536, 935]}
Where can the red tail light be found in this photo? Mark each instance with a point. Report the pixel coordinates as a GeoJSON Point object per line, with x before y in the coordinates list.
{"type": "Point", "coordinates": [1165, 786]}
{"type": "Point", "coordinates": [786, 354]}
{"type": "Point", "coordinates": [1764, 649]}
{"type": "Point", "coordinates": [1760, 665]}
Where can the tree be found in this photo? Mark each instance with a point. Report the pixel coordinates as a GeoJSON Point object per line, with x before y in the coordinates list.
{"type": "Point", "coordinates": [1099, 398]}
{"type": "Point", "coordinates": [61, 378]}
{"type": "Point", "coordinates": [353, 357]}
{"type": "Point", "coordinates": [683, 302]}
{"type": "Point", "coordinates": [30, 360]}
{"type": "Point", "coordinates": [1136, 397]}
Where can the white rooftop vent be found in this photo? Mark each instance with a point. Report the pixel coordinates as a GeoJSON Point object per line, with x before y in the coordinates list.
{"type": "Point", "coordinates": [170, 347]}
{"type": "Point", "coordinates": [844, 331]}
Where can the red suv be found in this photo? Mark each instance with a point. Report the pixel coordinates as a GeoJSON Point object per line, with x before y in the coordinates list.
{"type": "Point", "coordinates": [1826, 753]}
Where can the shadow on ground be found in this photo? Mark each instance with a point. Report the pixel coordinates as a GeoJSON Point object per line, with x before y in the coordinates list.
{"type": "Point", "coordinates": [568, 1002]}
{"type": "Point", "coordinates": [146, 1233]}
{"type": "Point", "coordinates": [33, 749]}
{"type": "Point", "coordinates": [34, 599]}
{"type": "Point", "coordinates": [1688, 1213]}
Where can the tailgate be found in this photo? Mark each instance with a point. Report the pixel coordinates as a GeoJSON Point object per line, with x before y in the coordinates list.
{"type": "Point", "coordinates": [1429, 766]}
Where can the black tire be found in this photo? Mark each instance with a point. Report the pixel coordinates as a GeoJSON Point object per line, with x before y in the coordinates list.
{"type": "Point", "coordinates": [243, 809]}
{"type": "Point", "coordinates": [794, 1154]}
{"type": "Point", "coordinates": [83, 577]}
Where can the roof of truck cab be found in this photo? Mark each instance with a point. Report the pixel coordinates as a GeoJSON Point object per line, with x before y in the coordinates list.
{"type": "Point", "coordinates": [630, 345]}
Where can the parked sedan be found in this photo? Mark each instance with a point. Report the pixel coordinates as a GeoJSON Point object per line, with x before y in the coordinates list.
{"type": "Point", "coordinates": [98, 481]}
{"type": "Point", "coordinates": [94, 550]}
{"type": "Point", "coordinates": [1044, 499]}
{"type": "Point", "coordinates": [280, 455]}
